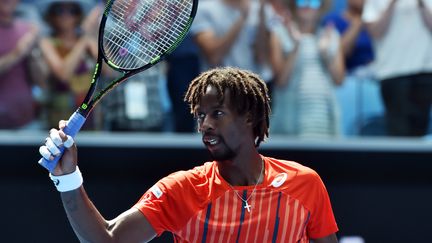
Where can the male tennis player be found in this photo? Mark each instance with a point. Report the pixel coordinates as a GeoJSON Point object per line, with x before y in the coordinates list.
{"type": "Point", "coordinates": [241, 196]}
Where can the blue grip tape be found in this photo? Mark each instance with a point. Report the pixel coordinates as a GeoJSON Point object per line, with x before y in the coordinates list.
{"type": "Point", "coordinates": [74, 124]}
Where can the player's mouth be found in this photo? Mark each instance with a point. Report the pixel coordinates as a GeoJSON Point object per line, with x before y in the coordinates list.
{"type": "Point", "coordinates": [211, 141]}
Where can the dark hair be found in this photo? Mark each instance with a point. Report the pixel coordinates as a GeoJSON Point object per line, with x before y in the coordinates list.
{"type": "Point", "coordinates": [56, 6]}
{"type": "Point", "coordinates": [249, 94]}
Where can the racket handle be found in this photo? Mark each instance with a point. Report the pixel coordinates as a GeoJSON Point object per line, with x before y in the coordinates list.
{"type": "Point", "coordinates": [74, 124]}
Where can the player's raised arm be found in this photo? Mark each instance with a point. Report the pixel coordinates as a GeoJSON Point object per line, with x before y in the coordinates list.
{"type": "Point", "coordinates": [89, 225]}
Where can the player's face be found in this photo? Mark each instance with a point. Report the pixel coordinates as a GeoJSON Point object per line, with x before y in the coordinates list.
{"type": "Point", "coordinates": [224, 131]}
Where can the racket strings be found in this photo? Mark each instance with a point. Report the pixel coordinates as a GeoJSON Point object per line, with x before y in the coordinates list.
{"type": "Point", "coordinates": [138, 32]}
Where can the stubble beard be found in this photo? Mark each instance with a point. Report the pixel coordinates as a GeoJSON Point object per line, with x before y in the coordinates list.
{"type": "Point", "coordinates": [226, 154]}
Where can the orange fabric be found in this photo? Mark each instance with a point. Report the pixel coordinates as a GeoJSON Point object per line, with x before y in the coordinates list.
{"type": "Point", "coordinates": [199, 206]}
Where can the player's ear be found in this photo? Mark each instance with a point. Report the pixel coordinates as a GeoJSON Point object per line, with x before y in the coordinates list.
{"type": "Point", "coordinates": [249, 119]}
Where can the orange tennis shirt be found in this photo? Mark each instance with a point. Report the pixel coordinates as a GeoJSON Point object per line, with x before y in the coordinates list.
{"type": "Point", "coordinates": [290, 205]}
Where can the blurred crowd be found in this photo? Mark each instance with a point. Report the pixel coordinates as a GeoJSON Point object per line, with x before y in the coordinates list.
{"type": "Point", "coordinates": [334, 68]}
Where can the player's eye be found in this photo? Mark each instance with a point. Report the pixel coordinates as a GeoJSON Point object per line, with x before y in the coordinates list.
{"type": "Point", "coordinates": [199, 116]}
{"type": "Point", "coordinates": [218, 113]}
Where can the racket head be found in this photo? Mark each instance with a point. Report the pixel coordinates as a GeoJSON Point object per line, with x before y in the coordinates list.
{"type": "Point", "coordinates": [136, 34]}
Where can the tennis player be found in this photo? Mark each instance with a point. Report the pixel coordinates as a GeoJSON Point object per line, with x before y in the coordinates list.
{"type": "Point", "coordinates": [240, 196]}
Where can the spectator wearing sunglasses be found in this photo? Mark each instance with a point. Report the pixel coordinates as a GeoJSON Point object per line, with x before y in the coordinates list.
{"type": "Point", "coordinates": [69, 54]}
{"type": "Point", "coordinates": [402, 38]}
{"type": "Point", "coordinates": [309, 67]}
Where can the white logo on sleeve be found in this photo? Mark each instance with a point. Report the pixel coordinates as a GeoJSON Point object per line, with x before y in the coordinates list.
{"type": "Point", "coordinates": [156, 191]}
{"type": "Point", "coordinates": [279, 180]}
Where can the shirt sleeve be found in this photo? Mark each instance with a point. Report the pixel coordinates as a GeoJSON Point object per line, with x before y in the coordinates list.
{"type": "Point", "coordinates": [202, 21]}
{"type": "Point", "coordinates": [373, 9]}
{"type": "Point", "coordinates": [322, 221]}
{"type": "Point", "coordinates": [172, 201]}
{"type": "Point", "coordinates": [428, 4]}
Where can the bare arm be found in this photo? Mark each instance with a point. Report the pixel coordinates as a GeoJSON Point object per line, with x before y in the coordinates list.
{"type": "Point", "coordinates": [90, 24]}
{"type": "Point", "coordinates": [37, 69]}
{"type": "Point", "coordinates": [88, 224]}
{"type": "Point", "coordinates": [215, 48]}
{"type": "Point", "coordinates": [63, 68]}
{"type": "Point", "coordinates": [426, 13]}
{"type": "Point", "coordinates": [336, 67]}
{"type": "Point", "coordinates": [282, 64]}
{"type": "Point", "coordinates": [378, 28]}
{"type": "Point", "coordinates": [262, 38]}
{"type": "Point", "coordinates": [332, 54]}
{"type": "Point", "coordinates": [349, 37]}
{"type": "Point", "coordinates": [328, 239]}
{"type": "Point", "coordinates": [21, 50]}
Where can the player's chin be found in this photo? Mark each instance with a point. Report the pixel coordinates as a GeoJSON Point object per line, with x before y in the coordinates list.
{"type": "Point", "coordinates": [217, 150]}
{"type": "Point", "coordinates": [220, 154]}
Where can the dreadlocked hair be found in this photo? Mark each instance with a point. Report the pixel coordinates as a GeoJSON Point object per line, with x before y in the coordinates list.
{"type": "Point", "coordinates": [248, 92]}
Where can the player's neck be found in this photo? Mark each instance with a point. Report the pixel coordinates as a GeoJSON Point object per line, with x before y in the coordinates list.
{"type": "Point", "coordinates": [242, 172]}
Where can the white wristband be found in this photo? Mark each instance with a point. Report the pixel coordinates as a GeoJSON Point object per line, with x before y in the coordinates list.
{"type": "Point", "coordinates": [68, 182]}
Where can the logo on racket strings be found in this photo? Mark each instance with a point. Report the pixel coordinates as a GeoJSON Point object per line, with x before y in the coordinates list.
{"type": "Point", "coordinates": [123, 51]}
{"type": "Point", "coordinates": [149, 20]}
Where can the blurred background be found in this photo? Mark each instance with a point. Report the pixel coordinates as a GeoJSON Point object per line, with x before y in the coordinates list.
{"type": "Point", "coordinates": [351, 91]}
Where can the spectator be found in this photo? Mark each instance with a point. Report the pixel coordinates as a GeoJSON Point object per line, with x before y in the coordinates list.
{"type": "Point", "coordinates": [185, 57]}
{"type": "Point", "coordinates": [137, 104]}
{"type": "Point", "coordinates": [18, 39]}
{"type": "Point", "coordinates": [90, 24]}
{"type": "Point", "coordinates": [235, 33]}
{"type": "Point", "coordinates": [359, 94]}
{"type": "Point", "coordinates": [309, 65]}
{"type": "Point", "coordinates": [70, 55]}
{"type": "Point", "coordinates": [403, 66]}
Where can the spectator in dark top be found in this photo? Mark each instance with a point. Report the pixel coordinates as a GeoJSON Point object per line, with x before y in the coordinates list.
{"type": "Point", "coordinates": [402, 38]}
{"type": "Point", "coordinates": [355, 40]}
{"type": "Point", "coordinates": [359, 94]}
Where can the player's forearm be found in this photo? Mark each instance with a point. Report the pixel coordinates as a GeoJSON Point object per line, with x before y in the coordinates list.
{"type": "Point", "coordinates": [86, 221]}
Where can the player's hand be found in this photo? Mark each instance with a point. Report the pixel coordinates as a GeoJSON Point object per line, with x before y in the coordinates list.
{"type": "Point", "coordinates": [51, 149]}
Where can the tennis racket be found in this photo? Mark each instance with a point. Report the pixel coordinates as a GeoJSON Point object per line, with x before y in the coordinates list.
{"type": "Point", "coordinates": [134, 35]}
